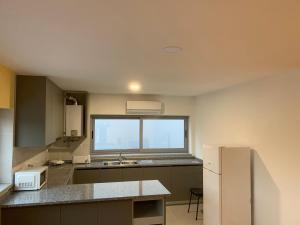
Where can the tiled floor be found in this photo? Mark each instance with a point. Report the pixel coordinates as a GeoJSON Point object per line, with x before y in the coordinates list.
{"type": "Point", "coordinates": [178, 215]}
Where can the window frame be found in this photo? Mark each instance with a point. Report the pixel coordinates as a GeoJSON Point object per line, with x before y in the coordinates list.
{"type": "Point", "coordinates": [140, 150]}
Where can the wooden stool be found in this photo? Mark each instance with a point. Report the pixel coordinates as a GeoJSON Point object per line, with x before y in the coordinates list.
{"type": "Point", "coordinates": [198, 192]}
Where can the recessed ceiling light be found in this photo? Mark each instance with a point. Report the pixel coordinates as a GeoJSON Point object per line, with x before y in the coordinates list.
{"type": "Point", "coordinates": [134, 87]}
{"type": "Point", "coordinates": [172, 49]}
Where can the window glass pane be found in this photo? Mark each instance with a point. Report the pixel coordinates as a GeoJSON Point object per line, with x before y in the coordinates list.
{"type": "Point", "coordinates": [163, 133]}
{"type": "Point", "coordinates": [112, 134]}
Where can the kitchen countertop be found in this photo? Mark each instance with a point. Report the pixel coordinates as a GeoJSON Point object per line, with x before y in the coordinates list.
{"type": "Point", "coordinates": [81, 193]}
{"type": "Point", "coordinates": [144, 163]}
{"type": "Point", "coordinates": [61, 175]}
{"type": "Point", "coordinates": [57, 191]}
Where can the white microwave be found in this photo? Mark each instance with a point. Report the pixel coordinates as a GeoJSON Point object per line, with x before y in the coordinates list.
{"type": "Point", "coordinates": [31, 179]}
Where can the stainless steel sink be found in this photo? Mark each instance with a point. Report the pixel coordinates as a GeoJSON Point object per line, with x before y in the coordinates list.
{"type": "Point", "coordinates": [120, 163]}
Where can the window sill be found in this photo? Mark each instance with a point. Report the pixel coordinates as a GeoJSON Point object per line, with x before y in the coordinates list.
{"type": "Point", "coordinates": [4, 189]}
{"type": "Point", "coordinates": [142, 156]}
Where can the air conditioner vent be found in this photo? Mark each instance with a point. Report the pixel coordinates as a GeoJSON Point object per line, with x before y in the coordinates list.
{"type": "Point", "coordinates": [144, 107]}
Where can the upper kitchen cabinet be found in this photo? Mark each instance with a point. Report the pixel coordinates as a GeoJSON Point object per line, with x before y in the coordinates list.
{"type": "Point", "coordinates": [39, 111]}
{"type": "Point", "coordinates": [7, 84]}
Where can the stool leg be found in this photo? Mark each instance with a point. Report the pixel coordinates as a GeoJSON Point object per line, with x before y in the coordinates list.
{"type": "Point", "coordinates": [190, 202]}
{"type": "Point", "coordinates": [197, 207]}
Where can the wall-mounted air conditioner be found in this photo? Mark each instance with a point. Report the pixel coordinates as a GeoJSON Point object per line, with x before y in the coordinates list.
{"type": "Point", "coordinates": [144, 107]}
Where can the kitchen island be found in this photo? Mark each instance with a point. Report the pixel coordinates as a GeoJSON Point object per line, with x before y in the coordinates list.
{"type": "Point", "coordinates": [133, 202]}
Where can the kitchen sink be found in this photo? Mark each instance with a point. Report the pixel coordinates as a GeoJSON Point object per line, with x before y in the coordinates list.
{"type": "Point", "coordinates": [121, 163]}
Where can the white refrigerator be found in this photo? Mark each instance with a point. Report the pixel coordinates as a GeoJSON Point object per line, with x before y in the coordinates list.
{"type": "Point", "coordinates": [227, 186]}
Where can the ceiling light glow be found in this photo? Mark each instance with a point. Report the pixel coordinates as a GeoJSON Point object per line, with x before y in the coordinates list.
{"type": "Point", "coordinates": [134, 87]}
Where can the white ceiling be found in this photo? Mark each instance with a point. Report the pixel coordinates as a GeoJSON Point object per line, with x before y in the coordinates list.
{"type": "Point", "coordinates": [101, 45]}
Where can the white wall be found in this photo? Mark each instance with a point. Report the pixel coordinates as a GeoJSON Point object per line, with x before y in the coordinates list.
{"type": "Point", "coordinates": [6, 144]}
{"type": "Point", "coordinates": [116, 105]}
{"type": "Point", "coordinates": [264, 115]}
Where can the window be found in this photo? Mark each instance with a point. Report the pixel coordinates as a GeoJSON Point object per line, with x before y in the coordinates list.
{"type": "Point", "coordinates": [139, 134]}
{"type": "Point", "coordinates": [163, 133]}
{"type": "Point", "coordinates": [116, 134]}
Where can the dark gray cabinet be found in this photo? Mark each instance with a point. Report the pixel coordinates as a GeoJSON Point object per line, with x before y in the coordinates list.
{"type": "Point", "coordinates": [182, 179]}
{"type": "Point", "coordinates": [102, 213]}
{"type": "Point", "coordinates": [54, 112]}
{"type": "Point", "coordinates": [79, 214]}
{"type": "Point", "coordinates": [111, 175]}
{"type": "Point", "coordinates": [39, 215]}
{"type": "Point", "coordinates": [115, 213]}
{"type": "Point", "coordinates": [163, 174]}
{"type": "Point", "coordinates": [86, 176]}
{"type": "Point", "coordinates": [177, 179]}
{"type": "Point", "coordinates": [39, 111]}
{"type": "Point", "coordinates": [132, 174]}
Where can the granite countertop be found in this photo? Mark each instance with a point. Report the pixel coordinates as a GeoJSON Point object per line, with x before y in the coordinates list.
{"type": "Point", "coordinates": [62, 175]}
{"type": "Point", "coordinates": [144, 163]}
{"type": "Point", "coordinates": [81, 193]}
{"type": "Point", "coordinates": [58, 192]}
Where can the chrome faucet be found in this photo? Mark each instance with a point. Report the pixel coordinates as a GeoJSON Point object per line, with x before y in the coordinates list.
{"type": "Point", "coordinates": [121, 158]}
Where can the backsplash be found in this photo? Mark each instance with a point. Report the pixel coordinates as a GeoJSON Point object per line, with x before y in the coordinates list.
{"type": "Point", "coordinates": [37, 160]}
{"type": "Point", "coordinates": [60, 155]}
{"type": "Point", "coordinates": [68, 155]}
{"type": "Point", "coordinates": [42, 157]}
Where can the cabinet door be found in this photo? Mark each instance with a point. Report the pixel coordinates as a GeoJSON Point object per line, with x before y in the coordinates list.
{"type": "Point", "coordinates": [111, 175]}
{"type": "Point", "coordinates": [182, 179]}
{"type": "Point", "coordinates": [39, 112]}
{"type": "Point", "coordinates": [115, 213]}
{"type": "Point", "coordinates": [30, 111]}
{"type": "Point", "coordinates": [132, 174]}
{"type": "Point", "coordinates": [40, 215]}
{"type": "Point", "coordinates": [79, 214]}
{"type": "Point", "coordinates": [86, 176]}
{"type": "Point", "coordinates": [163, 174]}
{"type": "Point", "coordinates": [58, 112]}
{"type": "Point", "coordinates": [54, 112]}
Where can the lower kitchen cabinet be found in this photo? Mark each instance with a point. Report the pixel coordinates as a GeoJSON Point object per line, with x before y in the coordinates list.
{"type": "Point", "coordinates": [115, 213]}
{"type": "Point", "coordinates": [132, 174]}
{"type": "Point", "coordinates": [79, 214]}
{"type": "Point", "coordinates": [101, 213]}
{"type": "Point", "coordinates": [38, 215]}
{"type": "Point", "coordinates": [111, 175]}
{"type": "Point", "coordinates": [163, 174]}
{"type": "Point", "coordinates": [87, 176]}
{"type": "Point", "coordinates": [182, 179]}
